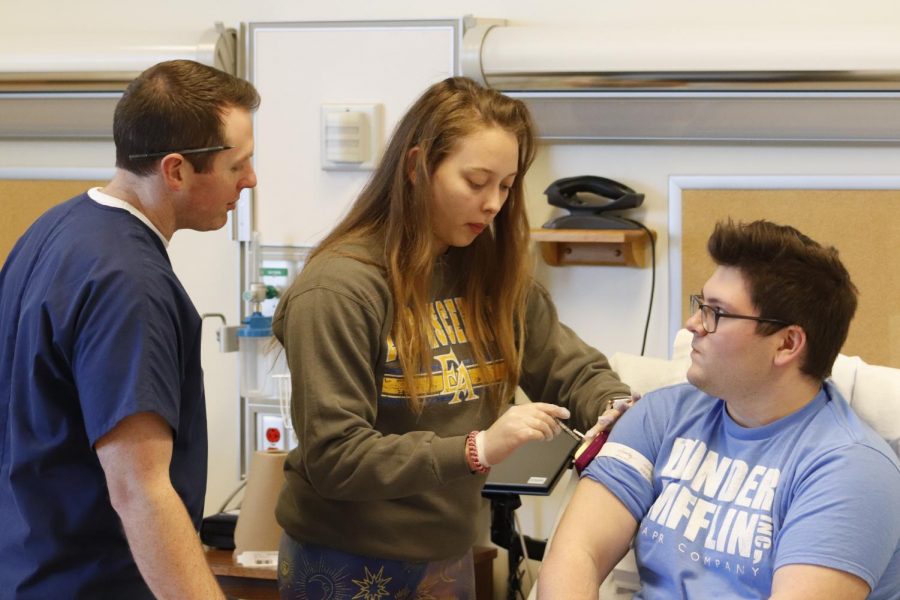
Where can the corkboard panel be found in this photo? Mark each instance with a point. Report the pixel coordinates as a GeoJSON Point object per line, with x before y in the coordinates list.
{"type": "Point", "coordinates": [24, 200]}
{"type": "Point", "coordinates": [864, 225]}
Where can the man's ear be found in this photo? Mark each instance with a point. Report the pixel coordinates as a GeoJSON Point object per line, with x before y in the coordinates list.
{"type": "Point", "coordinates": [412, 158]}
{"type": "Point", "coordinates": [792, 345]}
{"type": "Point", "coordinates": [173, 169]}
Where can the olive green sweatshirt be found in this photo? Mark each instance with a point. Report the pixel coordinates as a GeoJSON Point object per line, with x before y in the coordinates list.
{"type": "Point", "coordinates": [369, 476]}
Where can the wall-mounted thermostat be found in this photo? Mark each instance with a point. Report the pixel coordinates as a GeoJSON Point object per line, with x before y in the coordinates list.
{"type": "Point", "coordinates": [351, 136]}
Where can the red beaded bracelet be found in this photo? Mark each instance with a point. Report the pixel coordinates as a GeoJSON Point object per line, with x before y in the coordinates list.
{"type": "Point", "coordinates": [472, 454]}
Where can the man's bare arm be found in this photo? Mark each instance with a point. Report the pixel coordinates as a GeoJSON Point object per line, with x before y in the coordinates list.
{"type": "Point", "coordinates": [135, 457]}
{"type": "Point", "coordinates": [593, 536]}
{"type": "Point", "coordinates": [812, 582]}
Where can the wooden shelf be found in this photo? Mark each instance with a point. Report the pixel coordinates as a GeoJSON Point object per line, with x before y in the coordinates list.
{"type": "Point", "coordinates": [237, 581]}
{"type": "Point", "coordinates": [616, 247]}
{"type": "Point", "coordinates": [222, 562]}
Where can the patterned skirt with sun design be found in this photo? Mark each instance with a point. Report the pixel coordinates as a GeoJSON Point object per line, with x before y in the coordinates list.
{"type": "Point", "coordinates": [311, 572]}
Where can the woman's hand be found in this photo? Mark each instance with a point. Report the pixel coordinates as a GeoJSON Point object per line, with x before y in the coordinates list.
{"type": "Point", "coordinates": [611, 415]}
{"type": "Point", "coordinates": [520, 424]}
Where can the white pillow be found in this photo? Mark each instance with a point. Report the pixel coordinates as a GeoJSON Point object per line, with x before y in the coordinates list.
{"type": "Point", "coordinates": [874, 393]}
{"type": "Point", "coordinates": [646, 373]}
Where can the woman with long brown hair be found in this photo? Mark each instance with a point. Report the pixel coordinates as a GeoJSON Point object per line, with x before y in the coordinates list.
{"type": "Point", "coordinates": [407, 334]}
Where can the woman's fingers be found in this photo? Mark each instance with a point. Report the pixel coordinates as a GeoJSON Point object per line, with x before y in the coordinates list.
{"type": "Point", "coordinates": [611, 415]}
{"type": "Point", "coordinates": [520, 424]}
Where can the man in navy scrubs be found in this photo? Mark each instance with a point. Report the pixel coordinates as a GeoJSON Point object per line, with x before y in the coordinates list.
{"type": "Point", "coordinates": [103, 443]}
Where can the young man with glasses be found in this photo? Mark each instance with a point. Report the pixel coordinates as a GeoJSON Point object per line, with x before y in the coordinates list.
{"type": "Point", "coordinates": [755, 479]}
{"type": "Point", "coordinates": [103, 443]}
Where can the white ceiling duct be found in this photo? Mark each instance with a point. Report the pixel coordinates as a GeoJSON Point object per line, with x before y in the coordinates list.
{"type": "Point", "coordinates": [671, 84]}
{"type": "Point", "coordinates": [60, 86]}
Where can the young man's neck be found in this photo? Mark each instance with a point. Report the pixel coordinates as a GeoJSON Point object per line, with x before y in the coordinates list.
{"type": "Point", "coordinates": [776, 400]}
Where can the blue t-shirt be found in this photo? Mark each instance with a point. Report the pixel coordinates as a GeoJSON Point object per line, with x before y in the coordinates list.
{"type": "Point", "coordinates": [94, 327]}
{"type": "Point", "coordinates": [720, 507]}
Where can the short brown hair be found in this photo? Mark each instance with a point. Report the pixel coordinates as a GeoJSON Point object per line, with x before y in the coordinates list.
{"type": "Point", "coordinates": [794, 279]}
{"type": "Point", "coordinates": [176, 105]}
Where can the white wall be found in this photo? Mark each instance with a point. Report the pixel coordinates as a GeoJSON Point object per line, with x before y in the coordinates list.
{"type": "Point", "coordinates": [605, 305]}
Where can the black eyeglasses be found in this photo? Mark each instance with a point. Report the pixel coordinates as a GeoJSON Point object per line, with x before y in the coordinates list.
{"type": "Point", "coordinates": [192, 151]}
{"type": "Point", "coordinates": [710, 315]}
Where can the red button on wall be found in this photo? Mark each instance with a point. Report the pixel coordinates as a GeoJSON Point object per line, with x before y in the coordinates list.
{"type": "Point", "coordinates": [273, 435]}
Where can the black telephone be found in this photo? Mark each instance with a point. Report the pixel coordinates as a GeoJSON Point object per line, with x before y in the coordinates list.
{"type": "Point", "coordinates": [586, 197]}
